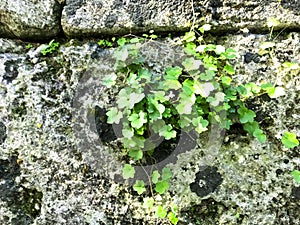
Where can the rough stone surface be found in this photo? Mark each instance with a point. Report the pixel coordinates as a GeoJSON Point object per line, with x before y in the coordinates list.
{"type": "Point", "coordinates": [41, 163]}
{"type": "Point", "coordinates": [86, 18]}
{"type": "Point", "coordinates": [30, 19]}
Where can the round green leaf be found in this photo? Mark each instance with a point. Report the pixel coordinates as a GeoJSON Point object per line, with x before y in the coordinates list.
{"type": "Point", "coordinates": [289, 140]}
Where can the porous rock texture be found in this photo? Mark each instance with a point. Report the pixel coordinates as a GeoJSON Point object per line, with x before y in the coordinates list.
{"type": "Point", "coordinates": [43, 19]}
{"type": "Point", "coordinates": [30, 19]}
{"type": "Point", "coordinates": [89, 17]}
{"type": "Point", "coordinates": [49, 179]}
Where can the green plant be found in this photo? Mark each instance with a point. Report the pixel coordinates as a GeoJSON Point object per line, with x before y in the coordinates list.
{"type": "Point", "coordinates": [289, 140]}
{"type": "Point", "coordinates": [296, 175]}
{"type": "Point", "coordinates": [105, 43]}
{"type": "Point", "coordinates": [50, 48]}
{"type": "Point", "coordinates": [29, 46]}
{"type": "Point", "coordinates": [272, 23]}
{"type": "Point", "coordinates": [183, 98]}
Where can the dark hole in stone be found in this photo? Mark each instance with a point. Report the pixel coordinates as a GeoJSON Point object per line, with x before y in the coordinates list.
{"type": "Point", "coordinates": [164, 148]}
{"type": "Point", "coordinates": [279, 172]}
{"type": "Point", "coordinates": [248, 57]}
{"type": "Point", "coordinates": [21, 201]}
{"type": "Point", "coordinates": [2, 133]}
{"type": "Point", "coordinates": [286, 161]}
{"type": "Point", "coordinates": [262, 116]}
{"type": "Point", "coordinates": [11, 70]}
{"type": "Point", "coordinates": [206, 182]}
{"type": "Point", "coordinates": [205, 212]}
{"type": "Point", "coordinates": [104, 130]}
{"type": "Point", "coordinates": [236, 131]}
{"type": "Point", "coordinates": [18, 106]}
{"type": "Point", "coordinates": [295, 193]}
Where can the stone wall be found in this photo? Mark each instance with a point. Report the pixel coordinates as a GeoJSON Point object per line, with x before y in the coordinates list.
{"type": "Point", "coordinates": [43, 19]}
{"type": "Point", "coordinates": [46, 178]}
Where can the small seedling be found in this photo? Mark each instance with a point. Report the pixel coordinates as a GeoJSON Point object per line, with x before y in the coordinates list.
{"type": "Point", "coordinates": [52, 47]}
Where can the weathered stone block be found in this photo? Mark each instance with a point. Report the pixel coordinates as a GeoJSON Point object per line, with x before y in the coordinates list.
{"type": "Point", "coordinates": [29, 19]}
{"type": "Point", "coordinates": [89, 17]}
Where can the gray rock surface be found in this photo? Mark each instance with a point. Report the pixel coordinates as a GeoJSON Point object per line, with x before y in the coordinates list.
{"type": "Point", "coordinates": [30, 19]}
{"type": "Point", "coordinates": [41, 163]}
{"type": "Point", "coordinates": [86, 18]}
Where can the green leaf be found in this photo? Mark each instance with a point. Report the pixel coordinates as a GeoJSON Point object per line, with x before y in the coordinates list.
{"type": "Point", "coordinates": [229, 69]}
{"type": "Point", "coordinates": [246, 115]}
{"type": "Point", "coordinates": [254, 88]}
{"type": "Point", "coordinates": [208, 75]}
{"type": "Point", "coordinates": [185, 121]}
{"type": "Point", "coordinates": [269, 88]}
{"type": "Point", "coordinates": [161, 186]}
{"type": "Point", "coordinates": [251, 127]}
{"type": "Point", "coordinates": [161, 212]}
{"type": "Point", "coordinates": [109, 80]}
{"type": "Point", "coordinates": [171, 84]}
{"type": "Point", "coordinates": [289, 140]}
{"type": "Point", "coordinates": [200, 124]}
{"type": "Point", "coordinates": [157, 125]}
{"type": "Point", "coordinates": [134, 142]}
{"type": "Point", "coordinates": [123, 100]}
{"type": "Point", "coordinates": [296, 175]}
{"type": "Point", "coordinates": [276, 92]}
{"type": "Point", "coordinates": [191, 64]}
{"type": "Point", "coordinates": [185, 104]}
{"type": "Point", "coordinates": [121, 41]}
{"type": "Point", "coordinates": [136, 154]}
{"type": "Point", "coordinates": [153, 36]}
{"type": "Point", "coordinates": [210, 48]}
{"type": "Point", "coordinates": [155, 109]}
{"type": "Point", "coordinates": [226, 80]}
{"type": "Point", "coordinates": [114, 116]}
{"type": "Point", "coordinates": [229, 54]}
{"type": "Point", "coordinates": [273, 22]}
{"type": "Point", "coordinates": [259, 134]}
{"type": "Point", "coordinates": [291, 65]}
{"type": "Point", "coordinates": [155, 176]}
{"type": "Point", "coordinates": [203, 89]}
{"type": "Point", "coordinates": [189, 36]}
{"type": "Point", "coordinates": [172, 73]}
{"type": "Point", "coordinates": [166, 174]}
{"type": "Point", "coordinates": [242, 90]}
{"type": "Point", "coordinates": [128, 171]}
{"type": "Point", "coordinates": [188, 87]}
{"type": "Point", "coordinates": [29, 46]}
{"type": "Point", "coordinates": [190, 49]}
{"type": "Point", "coordinates": [139, 187]}
{"type": "Point", "coordinates": [167, 132]}
{"type": "Point", "coordinates": [135, 98]}
{"type": "Point", "coordinates": [105, 43]}
{"type": "Point", "coordinates": [172, 217]}
{"type": "Point", "coordinates": [135, 40]}
{"type": "Point", "coordinates": [145, 74]}
{"type": "Point", "coordinates": [127, 132]}
{"type": "Point", "coordinates": [148, 202]}
{"type": "Point", "coordinates": [138, 120]}
{"type": "Point", "coordinates": [167, 113]}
